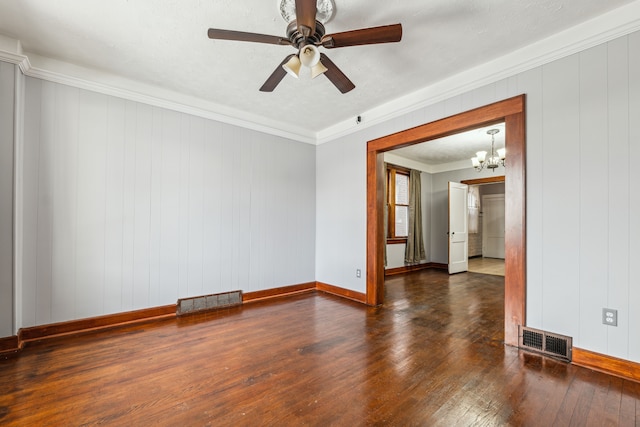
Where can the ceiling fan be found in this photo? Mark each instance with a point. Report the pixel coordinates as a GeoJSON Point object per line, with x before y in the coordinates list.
{"type": "Point", "coordinates": [306, 33]}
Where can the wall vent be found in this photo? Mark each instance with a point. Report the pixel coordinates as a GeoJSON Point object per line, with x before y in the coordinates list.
{"type": "Point", "coordinates": [547, 343]}
{"type": "Point", "coordinates": [208, 302]}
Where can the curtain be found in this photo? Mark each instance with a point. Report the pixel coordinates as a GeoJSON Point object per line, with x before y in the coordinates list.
{"type": "Point", "coordinates": [414, 251]}
{"type": "Point", "coordinates": [473, 202]}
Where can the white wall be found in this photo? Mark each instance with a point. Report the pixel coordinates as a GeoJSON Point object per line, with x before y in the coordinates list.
{"type": "Point", "coordinates": [128, 206]}
{"type": "Point", "coordinates": [339, 187]}
{"type": "Point", "coordinates": [7, 90]}
{"type": "Point", "coordinates": [583, 233]}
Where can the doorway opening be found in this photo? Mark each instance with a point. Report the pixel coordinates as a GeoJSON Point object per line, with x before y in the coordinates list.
{"type": "Point", "coordinates": [486, 255]}
{"type": "Point", "coordinates": [510, 111]}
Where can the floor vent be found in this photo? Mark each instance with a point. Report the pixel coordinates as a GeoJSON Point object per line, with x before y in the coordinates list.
{"type": "Point", "coordinates": [208, 302]}
{"type": "Point", "coordinates": [549, 344]}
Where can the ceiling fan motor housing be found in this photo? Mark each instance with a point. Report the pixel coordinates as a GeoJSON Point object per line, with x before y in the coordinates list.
{"type": "Point", "coordinates": [298, 40]}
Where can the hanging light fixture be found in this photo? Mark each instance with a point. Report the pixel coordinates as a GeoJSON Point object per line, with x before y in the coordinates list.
{"type": "Point", "coordinates": [496, 157]}
{"type": "Point", "coordinates": [293, 66]}
{"type": "Point", "coordinates": [309, 56]}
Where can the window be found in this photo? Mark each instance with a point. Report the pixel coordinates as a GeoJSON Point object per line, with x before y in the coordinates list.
{"type": "Point", "coordinates": [473, 202]}
{"type": "Point", "coordinates": [397, 203]}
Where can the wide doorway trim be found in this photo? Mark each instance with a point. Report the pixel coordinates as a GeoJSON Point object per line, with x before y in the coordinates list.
{"type": "Point", "coordinates": [510, 111]}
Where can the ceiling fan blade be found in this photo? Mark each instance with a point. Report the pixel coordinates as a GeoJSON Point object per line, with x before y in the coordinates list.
{"type": "Point", "coordinates": [276, 77]}
{"type": "Point", "coordinates": [336, 76]}
{"type": "Point", "coordinates": [373, 35]}
{"type": "Point", "coordinates": [306, 16]}
{"type": "Point", "coordinates": [241, 36]}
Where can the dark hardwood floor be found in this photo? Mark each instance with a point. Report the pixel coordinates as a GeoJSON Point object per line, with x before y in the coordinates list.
{"type": "Point", "coordinates": [432, 355]}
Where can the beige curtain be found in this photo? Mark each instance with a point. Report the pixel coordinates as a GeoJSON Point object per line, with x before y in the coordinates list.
{"type": "Point", "coordinates": [414, 251]}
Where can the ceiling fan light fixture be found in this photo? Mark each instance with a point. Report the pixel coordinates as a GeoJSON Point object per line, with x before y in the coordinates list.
{"type": "Point", "coordinates": [305, 31]}
{"type": "Point", "coordinates": [292, 67]}
{"type": "Point", "coordinates": [309, 55]}
{"type": "Point", "coordinates": [318, 69]}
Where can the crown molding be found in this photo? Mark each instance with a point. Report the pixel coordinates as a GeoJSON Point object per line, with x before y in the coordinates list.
{"type": "Point", "coordinates": [52, 70]}
{"type": "Point", "coordinates": [616, 23]}
{"type": "Point", "coordinates": [11, 52]}
{"type": "Point", "coordinates": [14, 58]}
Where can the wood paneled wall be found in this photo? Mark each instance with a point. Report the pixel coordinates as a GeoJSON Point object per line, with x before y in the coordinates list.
{"type": "Point", "coordinates": [129, 206]}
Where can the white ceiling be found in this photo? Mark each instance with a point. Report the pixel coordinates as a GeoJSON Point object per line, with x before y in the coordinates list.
{"type": "Point", "coordinates": [454, 148]}
{"type": "Point", "coordinates": [159, 49]}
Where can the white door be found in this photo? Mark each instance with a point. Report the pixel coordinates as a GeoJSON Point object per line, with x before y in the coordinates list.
{"type": "Point", "coordinates": [493, 226]}
{"type": "Point", "coordinates": [458, 215]}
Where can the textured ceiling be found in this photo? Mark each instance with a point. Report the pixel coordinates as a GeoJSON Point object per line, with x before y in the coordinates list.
{"type": "Point", "coordinates": [450, 149]}
{"type": "Point", "coordinates": [163, 43]}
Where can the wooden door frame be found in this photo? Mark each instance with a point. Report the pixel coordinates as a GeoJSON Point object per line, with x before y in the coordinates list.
{"type": "Point", "coordinates": [510, 111]}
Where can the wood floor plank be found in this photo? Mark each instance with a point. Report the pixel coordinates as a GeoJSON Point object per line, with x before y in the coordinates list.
{"type": "Point", "coordinates": [605, 406]}
{"type": "Point", "coordinates": [630, 404]}
{"type": "Point", "coordinates": [432, 355]}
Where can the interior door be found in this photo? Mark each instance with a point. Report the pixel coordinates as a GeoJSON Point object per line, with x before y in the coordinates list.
{"type": "Point", "coordinates": [493, 226]}
{"type": "Point", "coordinates": [458, 233]}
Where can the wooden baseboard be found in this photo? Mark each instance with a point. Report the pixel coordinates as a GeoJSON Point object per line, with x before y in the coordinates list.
{"type": "Point", "coordinates": [341, 292]}
{"type": "Point", "coordinates": [15, 343]}
{"type": "Point", "coordinates": [607, 364]}
{"type": "Point", "coordinates": [278, 292]}
{"type": "Point", "coordinates": [439, 266]}
{"type": "Point", "coordinates": [94, 323]}
{"type": "Point", "coordinates": [409, 268]}
{"type": "Point", "coordinates": [9, 345]}
{"type": "Point", "coordinates": [304, 287]}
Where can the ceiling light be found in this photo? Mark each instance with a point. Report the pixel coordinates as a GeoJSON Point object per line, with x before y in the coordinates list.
{"type": "Point", "coordinates": [309, 55]}
{"type": "Point", "coordinates": [318, 69]}
{"type": "Point", "coordinates": [496, 157]}
{"type": "Point", "coordinates": [293, 66]}
{"type": "Point", "coordinates": [325, 10]}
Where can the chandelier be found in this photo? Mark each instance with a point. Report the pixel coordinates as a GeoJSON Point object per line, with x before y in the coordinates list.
{"type": "Point", "coordinates": [495, 159]}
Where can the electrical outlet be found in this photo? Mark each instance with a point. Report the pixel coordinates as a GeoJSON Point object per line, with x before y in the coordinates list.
{"type": "Point", "coordinates": [610, 317]}
{"type": "Point", "coordinates": [358, 273]}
